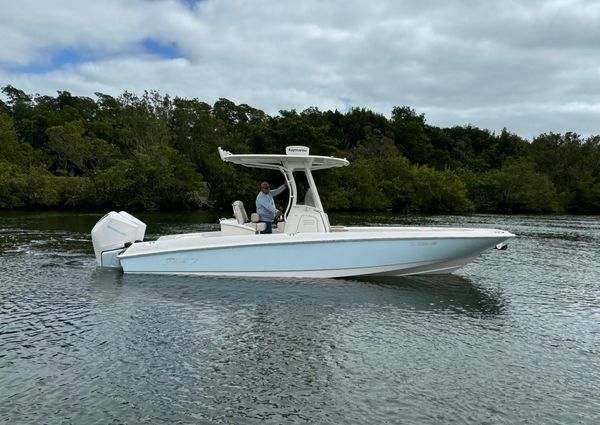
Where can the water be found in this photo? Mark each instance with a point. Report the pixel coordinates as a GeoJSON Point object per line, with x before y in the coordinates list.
{"type": "Point", "coordinates": [512, 338]}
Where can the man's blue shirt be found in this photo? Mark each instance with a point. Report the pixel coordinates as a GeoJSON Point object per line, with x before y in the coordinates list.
{"type": "Point", "coordinates": [265, 205]}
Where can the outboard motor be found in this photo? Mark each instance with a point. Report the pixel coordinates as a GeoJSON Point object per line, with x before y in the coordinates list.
{"type": "Point", "coordinates": [112, 233]}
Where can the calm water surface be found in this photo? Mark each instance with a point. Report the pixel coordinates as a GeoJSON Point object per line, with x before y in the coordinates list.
{"type": "Point", "coordinates": [512, 338]}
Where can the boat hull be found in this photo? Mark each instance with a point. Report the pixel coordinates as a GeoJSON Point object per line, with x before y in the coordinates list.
{"type": "Point", "coordinates": [350, 252]}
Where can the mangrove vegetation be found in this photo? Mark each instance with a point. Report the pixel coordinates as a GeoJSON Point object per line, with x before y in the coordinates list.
{"type": "Point", "coordinates": [156, 152]}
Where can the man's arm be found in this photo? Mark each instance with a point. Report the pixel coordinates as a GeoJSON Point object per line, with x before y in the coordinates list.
{"type": "Point", "coordinates": [277, 191]}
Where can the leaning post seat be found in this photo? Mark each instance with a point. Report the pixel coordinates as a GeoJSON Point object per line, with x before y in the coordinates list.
{"type": "Point", "coordinates": [255, 220]}
{"type": "Point", "coordinates": [239, 212]}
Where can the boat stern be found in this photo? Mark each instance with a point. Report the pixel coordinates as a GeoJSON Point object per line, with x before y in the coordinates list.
{"type": "Point", "coordinates": [113, 233]}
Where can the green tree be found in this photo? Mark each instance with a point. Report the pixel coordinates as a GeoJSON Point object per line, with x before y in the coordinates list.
{"type": "Point", "coordinates": [9, 146]}
{"type": "Point", "coordinates": [572, 165]}
{"type": "Point", "coordinates": [74, 153]}
{"type": "Point", "coordinates": [439, 191]}
{"type": "Point", "coordinates": [410, 135]}
{"type": "Point", "coordinates": [159, 178]}
{"type": "Point", "coordinates": [144, 122]}
{"type": "Point", "coordinates": [12, 185]}
{"type": "Point", "coordinates": [517, 187]}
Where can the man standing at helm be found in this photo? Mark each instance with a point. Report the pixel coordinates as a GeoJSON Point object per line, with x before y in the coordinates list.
{"type": "Point", "coordinates": [265, 205]}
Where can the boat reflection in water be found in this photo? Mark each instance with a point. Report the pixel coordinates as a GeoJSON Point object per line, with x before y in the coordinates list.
{"type": "Point", "coordinates": [449, 292]}
{"type": "Point", "coordinates": [424, 293]}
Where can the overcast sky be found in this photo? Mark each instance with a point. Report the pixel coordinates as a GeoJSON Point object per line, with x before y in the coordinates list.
{"type": "Point", "coordinates": [532, 66]}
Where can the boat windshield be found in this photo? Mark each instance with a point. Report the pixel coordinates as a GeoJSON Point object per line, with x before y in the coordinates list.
{"type": "Point", "coordinates": [305, 193]}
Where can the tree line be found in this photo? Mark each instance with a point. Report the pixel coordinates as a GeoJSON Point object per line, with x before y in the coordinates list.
{"type": "Point", "coordinates": [157, 152]}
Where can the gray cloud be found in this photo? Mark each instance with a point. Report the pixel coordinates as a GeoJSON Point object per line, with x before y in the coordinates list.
{"type": "Point", "coordinates": [529, 66]}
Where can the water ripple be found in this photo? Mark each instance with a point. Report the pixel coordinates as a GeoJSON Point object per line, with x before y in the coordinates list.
{"type": "Point", "coordinates": [512, 338]}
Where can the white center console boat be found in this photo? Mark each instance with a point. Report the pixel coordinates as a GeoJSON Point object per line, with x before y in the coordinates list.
{"type": "Point", "coordinates": [305, 244]}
